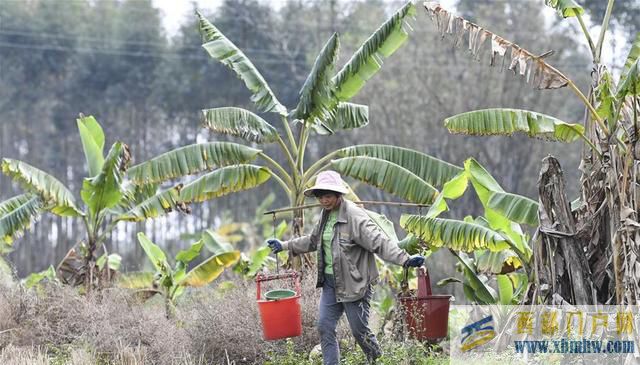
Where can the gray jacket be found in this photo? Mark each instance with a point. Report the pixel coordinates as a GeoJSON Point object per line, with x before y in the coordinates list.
{"type": "Point", "coordinates": [355, 239]}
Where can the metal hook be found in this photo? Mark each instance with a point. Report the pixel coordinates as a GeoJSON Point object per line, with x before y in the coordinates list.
{"type": "Point", "coordinates": [420, 229]}
{"type": "Point", "coordinates": [274, 236]}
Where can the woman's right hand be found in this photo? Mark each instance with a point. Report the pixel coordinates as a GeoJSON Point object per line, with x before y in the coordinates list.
{"type": "Point", "coordinates": [275, 245]}
{"type": "Point", "coordinates": [414, 261]}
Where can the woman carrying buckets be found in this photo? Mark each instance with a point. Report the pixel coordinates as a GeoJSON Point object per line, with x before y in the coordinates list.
{"type": "Point", "coordinates": [346, 240]}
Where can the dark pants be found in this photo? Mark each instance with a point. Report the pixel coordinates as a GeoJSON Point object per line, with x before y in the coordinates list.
{"type": "Point", "coordinates": [358, 316]}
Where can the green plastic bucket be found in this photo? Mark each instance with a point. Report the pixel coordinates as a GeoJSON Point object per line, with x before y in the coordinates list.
{"type": "Point", "coordinates": [278, 294]}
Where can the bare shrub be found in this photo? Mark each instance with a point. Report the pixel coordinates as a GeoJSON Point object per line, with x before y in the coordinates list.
{"type": "Point", "coordinates": [213, 325]}
{"type": "Point", "coordinates": [229, 324]}
{"type": "Point", "coordinates": [23, 356]}
{"type": "Point", "coordinates": [14, 305]}
{"type": "Point", "coordinates": [109, 325]}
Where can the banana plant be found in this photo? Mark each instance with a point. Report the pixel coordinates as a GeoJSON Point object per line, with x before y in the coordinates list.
{"type": "Point", "coordinates": [609, 184]}
{"type": "Point", "coordinates": [114, 193]}
{"type": "Point", "coordinates": [324, 108]}
{"type": "Point", "coordinates": [35, 278]}
{"type": "Point", "coordinates": [499, 246]}
{"type": "Point", "coordinates": [217, 242]}
{"type": "Point", "coordinates": [171, 281]}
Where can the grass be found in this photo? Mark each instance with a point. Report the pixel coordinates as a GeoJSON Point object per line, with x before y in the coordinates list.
{"type": "Point", "coordinates": [57, 325]}
{"type": "Point", "coordinates": [395, 353]}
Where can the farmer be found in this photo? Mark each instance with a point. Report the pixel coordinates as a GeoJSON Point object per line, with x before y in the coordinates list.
{"type": "Point", "coordinates": [346, 239]}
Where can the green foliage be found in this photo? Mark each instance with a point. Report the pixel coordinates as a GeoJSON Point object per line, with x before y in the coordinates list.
{"type": "Point", "coordinates": [345, 116]}
{"type": "Point", "coordinates": [630, 85]}
{"type": "Point", "coordinates": [240, 123]}
{"type": "Point", "coordinates": [384, 223]}
{"type": "Point", "coordinates": [500, 262]}
{"type": "Point", "coordinates": [453, 234]}
{"type": "Point", "coordinates": [50, 189]}
{"type": "Point", "coordinates": [257, 261]}
{"type": "Point", "coordinates": [223, 50]}
{"type": "Point", "coordinates": [210, 269]}
{"type": "Point", "coordinates": [632, 57]}
{"type": "Point", "coordinates": [505, 289]}
{"type": "Point", "coordinates": [322, 106]}
{"type": "Point", "coordinates": [104, 190]}
{"type": "Point", "coordinates": [190, 160]}
{"type": "Point", "coordinates": [112, 198]}
{"type": "Point", "coordinates": [387, 176]}
{"type": "Point", "coordinates": [154, 253]}
{"type": "Point", "coordinates": [317, 99]}
{"type": "Point", "coordinates": [112, 261]}
{"type": "Point", "coordinates": [515, 207]}
{"type": "Point", "coordinates": [432, 170]}
{"type": "Point", "coordinates": [17, 214]}
{"type": "Point", "coordinates": [452, 189]}
{"type": "Point", "coordinates": [496, 239]}
{"type": "Point", "coordinates": [565, 8]}
{"type": "Point", "coordinates": [35, 278]}
{"type": "Point", "coordinates": [155, 206]}
{"type": "Point", "coordinates": [215, 242]}
{"type": "Point", "coordinates": [224, 181]}
{"type": "Point", "coordinates": [605, 93]}
{"type": "Point", "coordinates": [171, 280]}
{"type": "Point", "coordinates": [367, 60]}
{"type": "Point", "coordinates": [411, 244]}
{"type": "Point", "coordinates": [476, 287]}
{"type": "Point", "coordinates": [509, 121]}
{"type": "Point", "coordinates": [92, 138]}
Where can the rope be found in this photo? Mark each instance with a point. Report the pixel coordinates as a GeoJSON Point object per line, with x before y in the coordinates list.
{"type": "Point", "coordinates": [274, 236]}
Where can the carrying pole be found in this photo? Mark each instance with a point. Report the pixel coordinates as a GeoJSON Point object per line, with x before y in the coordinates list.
{"type": "Point", "coordinates": [364, 202]}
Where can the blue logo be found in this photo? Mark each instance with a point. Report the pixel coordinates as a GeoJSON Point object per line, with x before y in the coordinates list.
{"type": "Point", "coordinates": [477, 333]}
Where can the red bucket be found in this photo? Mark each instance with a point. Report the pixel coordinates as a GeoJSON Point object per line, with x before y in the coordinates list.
{"type": "Point", "coordinates": [281, 318]}
{"type": "Point", "coordinates": [426, 316]}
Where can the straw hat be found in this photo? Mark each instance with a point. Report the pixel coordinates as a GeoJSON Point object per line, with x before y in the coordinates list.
{"type": "Point", "coordinates": [328, 180]}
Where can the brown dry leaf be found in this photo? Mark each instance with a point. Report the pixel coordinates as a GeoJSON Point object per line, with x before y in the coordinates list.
{"type": "Point", "coordinates": [498, 47]}
{"type": "Point", "coordinates": [548, 78]}
{"type": "Point", "coordinates": [461, 27]}
{"type": "Point", "coordinates": [478, 47]}
{"type": "Point", "coordinates": [71, 269]}
{"type": "Point", "coordinates": [625, 212]}
{"type": "Point", "coordinates": [515, 55]}
{"type": "Point", "coordinates": [523, 60]}
{"type": "Point", "coordinates": [544, 76]}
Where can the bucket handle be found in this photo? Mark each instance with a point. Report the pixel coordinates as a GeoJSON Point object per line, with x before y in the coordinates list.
{"type": "Point", "coordinates": [424, 282]}
{"type": "Point", "coordinates": [288, 275]}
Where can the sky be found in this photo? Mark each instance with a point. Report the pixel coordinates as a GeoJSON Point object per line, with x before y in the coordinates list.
{"type": "Point", "coordinates": [175, 12]}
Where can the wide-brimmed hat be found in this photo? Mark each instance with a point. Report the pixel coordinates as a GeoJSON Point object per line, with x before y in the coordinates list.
{"type": "Point", "coordinates": [328, 180]}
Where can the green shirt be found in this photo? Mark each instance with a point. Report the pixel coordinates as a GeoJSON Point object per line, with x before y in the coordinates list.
{"type": "Point", "coordinates": [327, 236]}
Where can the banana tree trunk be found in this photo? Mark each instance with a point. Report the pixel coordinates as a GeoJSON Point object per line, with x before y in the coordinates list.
{"type": "Point", "coordinates": [304, 261]}
{"type": "Point", "coordinates": [592, 254]}
{"type": "Point", "coordinates": [295, 262]}
{"type": "Point", "coordinates": [559, 256]}
{"type": "Point", "coordinates": [90, 265]}
{"type": "Point", "coordinates": [169, 309]}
